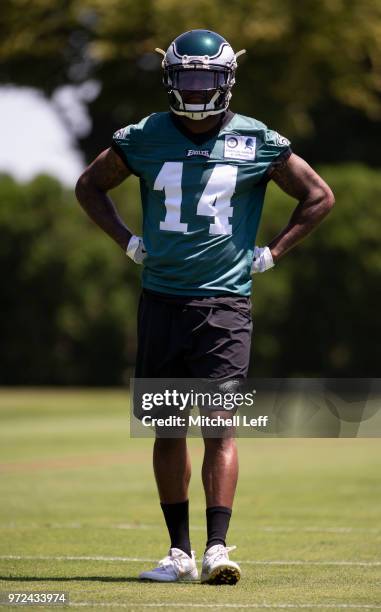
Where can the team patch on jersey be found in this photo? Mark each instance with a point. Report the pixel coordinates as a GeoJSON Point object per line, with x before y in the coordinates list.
{"type": "Point", "coordinates": [281, 140]}
{"type": "Point", "coordinates": [240, 147]}
{"type": "Point", "coordinates": [203, 152]}
{"type": "Point", "coordinates": [119, 134]}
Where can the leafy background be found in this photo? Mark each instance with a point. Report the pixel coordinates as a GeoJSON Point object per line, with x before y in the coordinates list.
{"type": "Point", "coordinates": [312, 71]}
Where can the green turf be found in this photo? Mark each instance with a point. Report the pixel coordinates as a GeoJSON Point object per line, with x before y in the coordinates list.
{"type": "Point", "coordinates": [74, 484]}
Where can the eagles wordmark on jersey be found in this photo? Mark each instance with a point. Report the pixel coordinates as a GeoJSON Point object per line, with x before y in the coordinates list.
{"type": "Point", "coordinates": [202, 199]}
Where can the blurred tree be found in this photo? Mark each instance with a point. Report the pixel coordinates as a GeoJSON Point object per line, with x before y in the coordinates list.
{"type": "Point", "coordinates": [312, 67]}
{"type": "Point", "coordinates": [317, 311]}
{"type": "Point", "coordinates": [69, 295]}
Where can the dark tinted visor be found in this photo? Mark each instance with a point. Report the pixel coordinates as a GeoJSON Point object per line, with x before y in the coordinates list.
{"type": "Point", "coordinates": [197, 79]}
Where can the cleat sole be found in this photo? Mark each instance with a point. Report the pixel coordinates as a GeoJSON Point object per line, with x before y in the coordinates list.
{"type": "Point", "coordinates": [223, 575]}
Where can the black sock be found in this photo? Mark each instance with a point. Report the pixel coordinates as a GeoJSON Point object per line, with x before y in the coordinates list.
{"type": "Point", "coordinates": [217, 524]}
{"type": "Point", "coordinates": [177, 520]}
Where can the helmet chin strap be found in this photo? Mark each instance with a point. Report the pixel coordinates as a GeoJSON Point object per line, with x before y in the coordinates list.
{"type": "Point", "coordinates": [197, 115]}
{"type": "Point", "coordinates": [199, 111]}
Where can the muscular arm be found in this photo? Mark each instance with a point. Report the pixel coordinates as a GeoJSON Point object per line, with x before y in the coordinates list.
{"type": "Point", "coordinates": [104, 173]}
{"type": "Point", "coordinates": [299, 180]}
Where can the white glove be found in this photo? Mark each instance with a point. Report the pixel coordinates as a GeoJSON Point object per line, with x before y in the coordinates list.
{"type": "Point", "coordinates": [262, 260]}
{"type": "Point", "coordinates": [136, 249]}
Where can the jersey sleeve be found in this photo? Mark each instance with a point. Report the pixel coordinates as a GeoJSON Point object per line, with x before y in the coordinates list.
{"type": "Point", "coordinates": [124, 144]}
{"type": "Point", "coordinates": [273, 150]}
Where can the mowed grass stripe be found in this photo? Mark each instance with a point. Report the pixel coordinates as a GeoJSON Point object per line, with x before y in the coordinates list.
{"type": "Point", "coordinates": [66, 462]}
{"type": "Point", "coordinates": [146, 560]}
{"type": "Point", "coordinates": [261, 529]}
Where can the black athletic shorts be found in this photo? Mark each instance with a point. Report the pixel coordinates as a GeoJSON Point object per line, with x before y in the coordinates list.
{"type": "Point", "coordinates": [193, 337]}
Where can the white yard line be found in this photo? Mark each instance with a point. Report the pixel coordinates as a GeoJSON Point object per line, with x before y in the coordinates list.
{"type": "Point", "coordinates": [343, 606]}
{"type": "Point", "coordinates": [149, 560]}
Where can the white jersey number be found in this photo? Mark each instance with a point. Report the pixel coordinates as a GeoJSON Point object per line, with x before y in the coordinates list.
{"type": "Point", "coordinates": [214, 201]}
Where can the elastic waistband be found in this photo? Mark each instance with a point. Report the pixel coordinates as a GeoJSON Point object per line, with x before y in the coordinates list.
{"type": "Point", "coordinates": [223, 300]}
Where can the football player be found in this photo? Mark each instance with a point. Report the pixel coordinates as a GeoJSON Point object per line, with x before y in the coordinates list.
{"type": "Point", "coordinates": [203, 172]}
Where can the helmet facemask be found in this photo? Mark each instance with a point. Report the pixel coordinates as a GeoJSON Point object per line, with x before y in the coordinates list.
{"type": "Point", "coordinates": [197, 91]}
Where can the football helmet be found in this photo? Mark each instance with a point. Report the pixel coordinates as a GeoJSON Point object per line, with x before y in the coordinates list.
{"type": "Point", "coordinates": [199, 73]}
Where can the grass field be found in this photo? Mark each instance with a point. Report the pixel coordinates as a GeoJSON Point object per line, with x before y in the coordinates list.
{"type": "Point", "coordinates": [79, 513]}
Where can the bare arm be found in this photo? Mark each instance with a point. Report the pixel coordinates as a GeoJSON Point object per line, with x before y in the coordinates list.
{"type": "Point", "coordinates": [299, 180]}
{"type": "Point", "coordinates": [104, 173]}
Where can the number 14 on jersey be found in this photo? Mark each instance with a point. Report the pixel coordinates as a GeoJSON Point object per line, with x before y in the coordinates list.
{"type": "Point", "coordinates": [214, 201]}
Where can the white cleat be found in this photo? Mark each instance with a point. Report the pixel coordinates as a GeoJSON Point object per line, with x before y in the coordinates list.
{"type": "Point", "coordinates": [217, 567]}
{"type": "Point", "coordinates": [175, 567]}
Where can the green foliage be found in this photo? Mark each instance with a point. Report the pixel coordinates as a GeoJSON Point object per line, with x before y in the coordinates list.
{"type": "Point", "coordinates": [69, 296]}
{"type": "Point", "coordinates": [317, 311]}
{"type": "Point", "coordinates": [305, 61]}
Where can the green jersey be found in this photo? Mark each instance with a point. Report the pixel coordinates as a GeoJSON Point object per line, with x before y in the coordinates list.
{"type": "Point", "coordinates": [202, 198]}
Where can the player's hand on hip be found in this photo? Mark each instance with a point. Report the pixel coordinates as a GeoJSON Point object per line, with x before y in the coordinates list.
{"type": "Point", "coordinates": [262, 260]}
{"type": "Point", "coordinates": [136, 249]}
